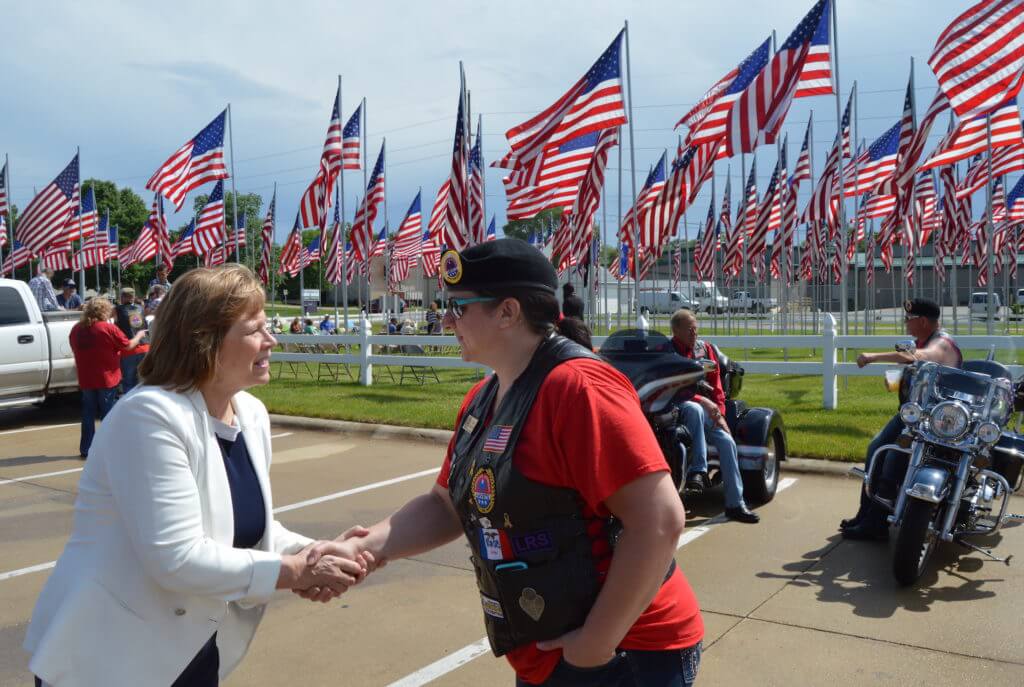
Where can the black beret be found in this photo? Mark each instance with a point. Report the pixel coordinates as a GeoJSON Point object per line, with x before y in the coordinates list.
{"type": "Point", "coordinates": [504, 263]}
{"type": "Point", "coordinates": [923, 307]}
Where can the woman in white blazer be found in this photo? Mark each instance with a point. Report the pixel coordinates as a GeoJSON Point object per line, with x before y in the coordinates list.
{"type": "Point", "coordinates": [174, 551]}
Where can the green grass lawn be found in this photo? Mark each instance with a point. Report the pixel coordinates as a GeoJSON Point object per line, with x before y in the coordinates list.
{"type": "Point", "coordinates": [842, 434]}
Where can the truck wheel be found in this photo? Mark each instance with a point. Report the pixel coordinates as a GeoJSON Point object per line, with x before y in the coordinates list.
{"type": "Point", "coordinates": [759, 486]}
{"type": "Point", "coordinates": [914, 542]}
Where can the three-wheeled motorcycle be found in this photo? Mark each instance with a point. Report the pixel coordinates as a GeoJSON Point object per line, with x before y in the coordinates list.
{"type": "Point", "coordinates": [663, 378]}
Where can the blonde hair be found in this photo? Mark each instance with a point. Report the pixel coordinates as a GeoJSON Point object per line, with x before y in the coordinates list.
{"type": "Point", "coordinates": [681, 317]}
{"type": "Point", "coordinates": [194, 318]}
{"type": "Point", "coordinates": [96, 310]}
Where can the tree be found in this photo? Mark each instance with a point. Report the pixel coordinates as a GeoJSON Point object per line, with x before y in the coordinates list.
{"type": "Point", "coordinates": [539, 223]}
{"type": "Point", "coordinates": [251, 204]}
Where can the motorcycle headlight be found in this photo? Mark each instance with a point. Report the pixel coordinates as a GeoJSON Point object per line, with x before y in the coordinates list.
{"type": "Point", "coordinates": [989, 432]}
{"type": "Point", "coordinates": [910, 413]}
{"type": "Point", "coordinates": [949, 420]}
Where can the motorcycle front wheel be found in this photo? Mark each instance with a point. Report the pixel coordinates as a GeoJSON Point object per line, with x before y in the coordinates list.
{"type": "Point", "coordinates": [915, 542]}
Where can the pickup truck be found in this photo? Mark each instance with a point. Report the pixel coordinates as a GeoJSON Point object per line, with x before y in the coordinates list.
{"type": "Point", "coordinates": [35, 353]}
{"type": "Point", "coordinates": [742, 301]}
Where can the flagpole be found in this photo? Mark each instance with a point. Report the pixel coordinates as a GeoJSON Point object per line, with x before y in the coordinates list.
{"type": "Point", "coordinates": [366, 160]}
{"type": "Point", "coordinates": [10, 213]}
{"type": "Point", "coordinates": [81, 233]}
{"type": "Point", "coordinates": [632, 176]}
{"type": "Point", "coordinates": [842, 199]}
{"type": "Point", "coordinates": [273, 237]}
{"type": "Point", "coordinates": [234, 193]}
{"type": "Point", "coordinates": [741, 220]}
{"type": "Point", "coordinates": [387, 238]}
{"type": "Point", "coordinates": [854, 138]}
{"type": "Point", "coordinates": [618, 289]}
{"type": "Point", "coordinates": [990, 239]}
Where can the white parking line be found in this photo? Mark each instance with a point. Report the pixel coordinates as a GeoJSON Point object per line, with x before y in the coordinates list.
{"type": "Point", "coordinates": [480, 647]}
{"type": "Point", "coordinates": [36, 429]}
{"type": "Point", "coordinates": [68, 472]}
{"type": "Point", "coordinates": [281, 509]}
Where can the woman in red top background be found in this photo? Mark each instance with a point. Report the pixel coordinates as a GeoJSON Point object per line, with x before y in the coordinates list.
{"type": "Point", "coordinates": [582, 434]}
{"type": "Point", "coordinates": [97, 345]}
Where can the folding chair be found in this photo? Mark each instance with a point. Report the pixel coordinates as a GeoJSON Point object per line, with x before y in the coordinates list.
{"type": "Point", "coordinates": [333, 370]}
{"type": "Point", "coordinates": [419, 373]}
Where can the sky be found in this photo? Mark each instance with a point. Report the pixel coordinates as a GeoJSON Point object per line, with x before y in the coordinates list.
{"type": "Point", "coordinates": [129, 83]}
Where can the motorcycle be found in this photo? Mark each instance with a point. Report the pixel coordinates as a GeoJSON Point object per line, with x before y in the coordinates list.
{"type": "Point", "coordinates": [964, 464]}
{"type": "Point", "coordinates": [661, 376]}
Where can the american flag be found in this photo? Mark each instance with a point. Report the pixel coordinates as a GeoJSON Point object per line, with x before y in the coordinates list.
{"type": "Point", "coordinates": [877, 206]}
{"type": "Point", "coordinates": [902, 179]}
{"type": "Point", "coordinates": [408, 243]}
{"type": "Point", "coordinates": [310, 253]}
{"type": "Point", "coordinates": [113, 245]}
{"type": "Point", "coordinates": [141, 249]}
{"type": "Point", "coordinates": [677, 266]}
{"type": "Point", "coordinates": [478, 229]}
{"type": "Point", "coordinates": [648, 194]}
{"type": "Point", "coordinates": [431, 255]}
{"type": "Point", "coordinates": [379, 246]}
{"type": "Point", "coordinates": [874, 165]}
{"type": "Point", "coordinates": [978, 60]}
{"type": "Point", "coordinates": [553, 182]}
{"type": "Point", "coordinates": [757, 115]}
{"type": "Point", "coordinates": [659, 220]}
{"type": "Point", "coordinates": [3, 231]}
{"type": "Point", "coordinates": [458, 233]}
{"type": "Point", "coordinates": [707, 244]}
{"type": "Point", "coordinates": [439, 213]}
{"type": "Point", "coordinates": [707, 120]}
{"type": "Point", "coordinates": [3, 190]}
{"type": "Point", "coordinates": [580, 220]}
{"type": "Point", "coordinates": [210, 227]}
{"type": "Point", "coordinates": [492, 232]}
{"type": "Point", "coordinates": [824, 203]}
{"type": "Point", "coordinates": [362, 227]}
{"type": "Point", "coordinates": [43, 221]}
{"type": "Point", "coordinates": [199, 161]}
{"type": "Point", "coordinates": [970, 137]}
{"type": "Point", "coordinates": [350, 141]}
{"type": "Point", "coordinates": [215, 257]}
{"type": "Point", "coordinates": [185, 244]}
{"type": "Point", "coordinates": [802, 171]}
{"type": "Point", "coordinates": [316, 200]}
{"type": "Point", "coordinates": [19, 256]}
{"type": "Point", "coordinates": [1015, 202]}
{"type": "Point", "coordinates": [55, 258]}
{"type": "Point", "coordinates": [816, 76]}
{"type": "Point", "coordinates": [160, 235]}
{"type": "Point", "coordinates": [746, 217]}
{"type": "Point", "coordinates": [291, 249]}
{"type": "Point", "coordinates": [759, 236]}
{"type": "Point", "coordinates": [1004, 161]}
{"type": "Point", "coordinates": [267, 239]}
{"type": "Point", "coordinates": [85, 210]}
{"type": "Point", "coordinates": [332, 261]}
{"type": "Point", "coordinates": [93, 252]}
{"type": "Point", "coordinates": [497, 438]}
{"type": "Point", "coordinates": [592, 104]}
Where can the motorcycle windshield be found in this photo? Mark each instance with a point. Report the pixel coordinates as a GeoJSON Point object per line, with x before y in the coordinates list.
{"type": "Point", "coordinates": [645, 356]}
{"type": "Point", "coordinates": [956, 385]}
{"type": "Point", "coordinates": [636, 342]}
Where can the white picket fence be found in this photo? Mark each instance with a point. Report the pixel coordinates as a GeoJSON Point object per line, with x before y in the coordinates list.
{"type": "Point", "coordinates": [368, 350]}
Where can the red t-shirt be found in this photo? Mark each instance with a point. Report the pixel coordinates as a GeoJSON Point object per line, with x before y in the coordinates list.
{"type": "Point", "coordinates": [586, 431]}
{"type": "Point", "coordinates": [97, 352]}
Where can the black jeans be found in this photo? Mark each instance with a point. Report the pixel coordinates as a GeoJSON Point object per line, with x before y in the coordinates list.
{"type": "Point", "coordinates": [201, 672]}
{"type": "Point", "coordinates": [632, 668]}
{"type": "Point", "coordinates": [887, 477]}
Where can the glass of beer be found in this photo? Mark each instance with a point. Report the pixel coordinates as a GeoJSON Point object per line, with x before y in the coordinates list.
{"type": "Point", "coordinates": [892, 379]}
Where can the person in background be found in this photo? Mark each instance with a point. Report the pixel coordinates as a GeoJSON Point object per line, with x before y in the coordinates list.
{"type": "Point", "coordinates": [174, 551]}
{"type": "Point", "coordinates": [295, 327]}
{"type": "Point", "coordinates": [42, 289]}
{"type": "Point", "coordinates": [309, 328]}
{"type": "Point", "coordinates": [393, 325]}
{"type": "Point", "coordinates": [433, 318]}
{"type": "Point", "coordinates": [97, 345]}
{"type": "Point", "coordinates": [161, 278]}
{"type": "Point", "coordinates": [572, 305]}
{"type": "Point", "coordinates": [326, 325]}
{"type": "Point", "coordinates": [704, 416]}
{"type": "Point", "coordinates": [131, 319]}
{"type": "Point", "coordinates": [68, 298]}
{"type": "Point", "coordinates": [154, 298]}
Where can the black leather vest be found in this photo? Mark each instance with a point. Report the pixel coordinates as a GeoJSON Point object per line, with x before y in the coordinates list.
{"type": "Point", "coordinates": [531, 552]}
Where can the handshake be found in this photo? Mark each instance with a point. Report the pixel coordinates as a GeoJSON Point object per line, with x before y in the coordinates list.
{"type": "Point", "coordinates": [325, 570]}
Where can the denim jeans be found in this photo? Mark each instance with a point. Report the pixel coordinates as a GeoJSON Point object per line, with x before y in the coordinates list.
{"type": "Point", "coordinates": [870, 513]}
{"type": "Point", "coordinates": [130, 371]}
{"type": "Point", "coordinates": [96, 403]}
{"type": "Point", "coordinates": [703, 429]}
{"type": "Point", "coordinates": [632, 668]}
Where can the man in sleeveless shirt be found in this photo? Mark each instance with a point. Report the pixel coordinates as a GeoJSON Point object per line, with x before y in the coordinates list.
{"type": "Point", "coordinates": [921, 317]}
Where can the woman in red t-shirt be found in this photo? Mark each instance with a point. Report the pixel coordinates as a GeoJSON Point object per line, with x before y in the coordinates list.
{"type": "Point", "coordinates": [97, 345]}
{"type": "Point", "coordinates": [579, 436]}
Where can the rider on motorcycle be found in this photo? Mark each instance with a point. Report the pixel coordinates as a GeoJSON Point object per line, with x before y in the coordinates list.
{"type": "Point", "coordinates": [931, 343]}
{"type": "Point", "coordinates": [704, 417]}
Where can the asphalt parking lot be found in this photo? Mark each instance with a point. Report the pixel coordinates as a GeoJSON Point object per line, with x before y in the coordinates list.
{"type": "Point", "coordinates": [785, 602]}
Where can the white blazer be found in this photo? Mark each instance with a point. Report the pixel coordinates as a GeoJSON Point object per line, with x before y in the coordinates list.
{"type": "Point", "coordinates": [149, 572]}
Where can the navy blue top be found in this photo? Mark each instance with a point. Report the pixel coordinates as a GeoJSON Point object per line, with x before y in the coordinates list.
{"type": "Point", "coordinates": [246, 493]}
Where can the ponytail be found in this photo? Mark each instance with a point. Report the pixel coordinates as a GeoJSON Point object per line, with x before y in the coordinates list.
{"type": "Point", "coordinates": [575, 329]}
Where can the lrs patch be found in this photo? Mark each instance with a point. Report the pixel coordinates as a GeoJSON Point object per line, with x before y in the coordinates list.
{"type": "Point", "coordinates": [492, 607]}
{"type": "Point", "coordinates": [483, 490]}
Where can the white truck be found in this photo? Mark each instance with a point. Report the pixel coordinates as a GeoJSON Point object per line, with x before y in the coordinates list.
{"type": "Point", "coordinates": [35, 352]}
{"type": "Point", "coordinates": [699, 296]}
{"type": "Point", "coordinates": [742, 301]}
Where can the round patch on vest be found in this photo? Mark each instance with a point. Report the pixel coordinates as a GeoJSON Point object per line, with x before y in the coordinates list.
{"type": "Point", "coordinates": [135, 320]}
{"type": "Point", "coordinates": [451, 267]}
{"type": "Point", "coordinates": [483, 490]}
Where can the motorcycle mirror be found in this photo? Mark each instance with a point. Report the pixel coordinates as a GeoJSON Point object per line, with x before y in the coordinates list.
{"type": "Point", "coordinates": [906, 346]}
